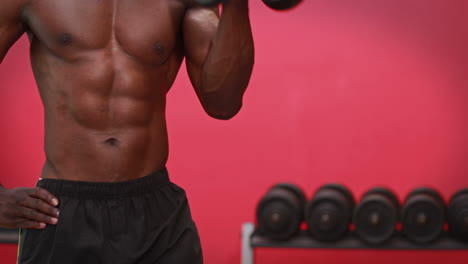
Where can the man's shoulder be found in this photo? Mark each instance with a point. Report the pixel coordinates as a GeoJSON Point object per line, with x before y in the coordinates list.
{"type": "Point", "coordinates": [12, 12]}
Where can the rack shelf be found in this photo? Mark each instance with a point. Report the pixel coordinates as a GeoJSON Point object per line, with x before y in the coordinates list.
{"type": "Point", "coordinates": [9, 236]}
{"type": "Point", "coordinates": [252, 240]}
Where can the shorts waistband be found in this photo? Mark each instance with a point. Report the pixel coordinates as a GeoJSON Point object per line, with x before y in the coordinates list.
{"type": "Point", "coordinates": [83, 189]}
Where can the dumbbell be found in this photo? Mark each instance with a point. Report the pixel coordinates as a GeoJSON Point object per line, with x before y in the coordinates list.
{"type": "Point", "coordinates": [274, 4]}
{"type": "Point", "coordinates": [280, 211]}
{"type": "Point", "coordinates": [376, 216]}
{"type": "Point", "coordinates": [423, 215]}
{"type": "Point", "coordinates": [457, 212]}
{"type": "Point", "coordinates": [329, 212]}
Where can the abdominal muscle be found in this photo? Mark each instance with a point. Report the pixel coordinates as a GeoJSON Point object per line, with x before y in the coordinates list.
{"type": "Point", "coordinates": [104, 116]}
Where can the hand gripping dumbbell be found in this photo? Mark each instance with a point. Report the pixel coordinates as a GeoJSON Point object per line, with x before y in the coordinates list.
{"type": "Point", "coordinates": [457, 212]}
{"type": "Point", "coordinates": [329, 212]}
{"type": "Point", "coordinates": [376, 216]}
{"type": "Point", "coordinates": [274, 4]}
{"type": "Point", "coordinates": [423, 215]}
{"type": "Point", "coordinates": [280, 211]}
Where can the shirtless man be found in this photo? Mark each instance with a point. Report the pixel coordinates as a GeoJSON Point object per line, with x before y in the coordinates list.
{"type": "Point", "coordinates": [103, 69]}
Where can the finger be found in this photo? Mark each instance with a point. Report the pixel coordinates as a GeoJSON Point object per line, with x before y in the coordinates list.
{"type": "Point", "coordinates": [44, 195]}
{"type": "Point", "coordinates": [41, 206]}
{"type": "Point", "coordinates": [34, 215]}
{"type": "Point", "coordinates": [31, 224]}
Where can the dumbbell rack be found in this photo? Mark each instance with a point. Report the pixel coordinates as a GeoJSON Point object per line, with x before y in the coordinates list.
{"type": "Point", "coordinates": [251, 240]}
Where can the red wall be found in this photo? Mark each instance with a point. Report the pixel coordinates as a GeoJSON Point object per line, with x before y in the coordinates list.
{"type": "Point", "coordinates": [361, 92]}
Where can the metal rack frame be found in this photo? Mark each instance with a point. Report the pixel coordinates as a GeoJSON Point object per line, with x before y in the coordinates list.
{"type": "Point", "coordinates": [9, 236]}
{"type": "Point", "coordinates": [251, 240]}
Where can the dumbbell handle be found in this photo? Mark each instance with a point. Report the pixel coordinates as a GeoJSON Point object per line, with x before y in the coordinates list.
{"type": "Point", "coordinates": [208, 2]}
{"type": "Point", "coordinates": [274, 4]}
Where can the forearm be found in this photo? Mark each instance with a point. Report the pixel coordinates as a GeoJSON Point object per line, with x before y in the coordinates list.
{"type": "Point", "coordinates": [228, 67]}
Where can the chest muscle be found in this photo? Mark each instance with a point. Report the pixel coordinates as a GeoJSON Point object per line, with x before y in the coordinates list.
{"type": "Point", "coordinates": [147, 30]}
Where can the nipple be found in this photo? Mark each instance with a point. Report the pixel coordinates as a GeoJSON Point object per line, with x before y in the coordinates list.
{"type": "Point", "coordinates": [159, 48]}
{"type": "Point", "coordinates": [65, 38]}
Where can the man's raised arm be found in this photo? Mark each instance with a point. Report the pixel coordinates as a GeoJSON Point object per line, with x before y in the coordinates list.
{"type": "Point", "coordinates": [219, 56]}
{"type": "Point", "coordinates": [11, 24]}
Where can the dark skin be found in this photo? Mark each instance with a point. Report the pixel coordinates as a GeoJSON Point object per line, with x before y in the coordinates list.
{"type": "Point", "coordinates": [103, 69]}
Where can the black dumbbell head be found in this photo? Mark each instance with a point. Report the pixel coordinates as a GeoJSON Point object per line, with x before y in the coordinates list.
{"type": "Point", "coordinates": [341, 188]}
{"type": "Point", "coordinates": [426, 191]}
{"type": "Point", "coordinates": [281, 4]}
{"type": "Point", "coordinates": [293, 188]}
{"type": "Point", "coordinates": [384, 191]}
{"type": "Point", "coordinates": [457, 212]}
{"type": "Point", "coordinates": [280, 211]}
{"type": "Point", "coordinates": [458, 194]}
{"type": "Point", "coordinates": [376, 215]}
{"type": "Point", "coordinates": [329, 212]}
{"type": "Point", "coordinates": [423, 215]}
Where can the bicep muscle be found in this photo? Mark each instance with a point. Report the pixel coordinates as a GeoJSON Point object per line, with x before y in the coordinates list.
{"type": "Point", "coordinates": [200, 26]}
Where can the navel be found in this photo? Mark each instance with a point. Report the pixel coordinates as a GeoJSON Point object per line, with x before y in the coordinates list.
{"type": "Point", "coordinates": [112, 142]}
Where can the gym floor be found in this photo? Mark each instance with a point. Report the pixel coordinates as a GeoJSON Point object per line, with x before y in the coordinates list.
{"type": "Point", "coordinates": [360, 92]}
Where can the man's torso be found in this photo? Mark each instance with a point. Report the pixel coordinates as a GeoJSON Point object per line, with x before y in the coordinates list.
{"type": "Point", "coordinates": [103, 68]}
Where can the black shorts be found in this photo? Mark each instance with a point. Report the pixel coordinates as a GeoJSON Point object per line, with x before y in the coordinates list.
{"type": "Point", "coordinates": [142, 221]}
